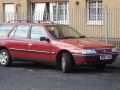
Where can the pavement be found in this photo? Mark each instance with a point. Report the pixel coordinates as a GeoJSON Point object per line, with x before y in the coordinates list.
{"type": "Point", "coordinates": [116, 64]}
{"type": "Point", "coordinates": [32, 76]}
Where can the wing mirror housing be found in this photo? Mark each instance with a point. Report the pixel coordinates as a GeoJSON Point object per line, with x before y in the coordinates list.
{"type": "Point", "coordinates": [44, 39]}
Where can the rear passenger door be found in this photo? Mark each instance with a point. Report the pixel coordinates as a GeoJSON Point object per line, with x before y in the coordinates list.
{"type": "Point", "coordinates": [18, 41]}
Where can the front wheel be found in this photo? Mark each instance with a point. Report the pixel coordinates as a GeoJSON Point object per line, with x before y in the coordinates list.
{"type": "Point", "coordinates": [66, 62]}
{"type": "Point", "coordinates": [5, 59]}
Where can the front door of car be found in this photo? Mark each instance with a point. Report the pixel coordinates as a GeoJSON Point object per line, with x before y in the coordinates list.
{"type": "Point", "coordinates": [38, 50]}
{"type": "Point", "coordinates": [18, 41]}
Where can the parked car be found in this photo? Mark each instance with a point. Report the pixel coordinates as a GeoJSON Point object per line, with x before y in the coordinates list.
{"type": "Point", "coordinates": [49, 42]}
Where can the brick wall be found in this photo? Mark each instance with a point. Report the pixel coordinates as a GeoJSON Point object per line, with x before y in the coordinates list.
{"type": "Point", "coordinates": [78, 19]}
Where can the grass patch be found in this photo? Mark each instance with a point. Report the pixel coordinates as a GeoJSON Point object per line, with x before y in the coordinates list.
{"type": "Point", "coordinates": [118, 46]}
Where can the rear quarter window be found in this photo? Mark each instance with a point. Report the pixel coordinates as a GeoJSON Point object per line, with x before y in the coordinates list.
{"type": "Point", "coordinates": [4, 29]}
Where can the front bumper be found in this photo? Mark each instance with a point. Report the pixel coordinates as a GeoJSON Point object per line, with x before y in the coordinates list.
{"type": "Point", "coordinates": [95, 58]}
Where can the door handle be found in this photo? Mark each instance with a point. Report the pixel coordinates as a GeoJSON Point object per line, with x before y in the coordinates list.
{"type": "Point", "coordinates": [30, 44]}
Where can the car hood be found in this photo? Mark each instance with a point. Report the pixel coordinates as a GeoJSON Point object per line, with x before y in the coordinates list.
{"type": "Point", "coordinates": [83, 43]}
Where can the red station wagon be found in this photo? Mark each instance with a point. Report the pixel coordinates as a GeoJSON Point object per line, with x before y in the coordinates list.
{"type": "Point", "coordinates": [49, 42]}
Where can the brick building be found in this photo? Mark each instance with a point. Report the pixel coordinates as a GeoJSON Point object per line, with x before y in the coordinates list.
{"type": "Point", "coordinates": [38, 9]}
{"type": "Point", "coordinates": [90, 17]}
{"type": "Point", "coordinates": [95, 18]}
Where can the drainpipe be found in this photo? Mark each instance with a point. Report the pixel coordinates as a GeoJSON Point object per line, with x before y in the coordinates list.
{"type": "Point", "coordinates": [106, 21]}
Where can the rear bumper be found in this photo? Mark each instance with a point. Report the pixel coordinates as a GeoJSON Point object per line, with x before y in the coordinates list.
{"type": "Point", "coordinates": [95, 58]}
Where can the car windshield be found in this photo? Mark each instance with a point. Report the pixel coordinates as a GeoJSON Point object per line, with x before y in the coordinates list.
{"type": "Point", "coordinates": [63, 32]}
{"type": "Point", "coordinates": [4, 29]}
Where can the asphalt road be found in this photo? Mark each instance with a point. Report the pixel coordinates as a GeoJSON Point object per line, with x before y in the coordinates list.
{"type": "Point", "coordinates": [31, 76]}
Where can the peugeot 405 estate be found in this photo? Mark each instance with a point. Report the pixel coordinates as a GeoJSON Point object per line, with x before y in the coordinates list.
{"type": "Point", "coordinates": [48, 42]}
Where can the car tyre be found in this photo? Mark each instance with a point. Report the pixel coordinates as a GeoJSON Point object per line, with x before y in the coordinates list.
{"type": "Point", "coordinates": [100, 66]}
{"type": "Point", "coordinates": [66, 63]}
{"type": "Point", "coordinates": [5, 59]}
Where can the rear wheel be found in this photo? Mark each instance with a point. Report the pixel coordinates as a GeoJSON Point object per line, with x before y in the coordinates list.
{"type": "Point", "coordinates": [66, 62]}
{"type": "Point", "coordinates": [5, 59]}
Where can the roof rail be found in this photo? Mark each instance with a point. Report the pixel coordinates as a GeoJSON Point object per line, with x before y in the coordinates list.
{"type": "Point", "coordinates": [38, 21]}
{"type": "Point", "coordinates": [17, 21]}
{"type": "Point", "coordinates": [35, 21]}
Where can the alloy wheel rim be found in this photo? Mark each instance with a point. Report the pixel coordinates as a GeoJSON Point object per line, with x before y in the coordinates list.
{"type": "Point", "coordinates": [3, 58]}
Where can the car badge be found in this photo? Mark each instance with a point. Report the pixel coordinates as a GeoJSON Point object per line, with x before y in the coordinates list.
{"type": "Point", "coordinates": [104, 51]}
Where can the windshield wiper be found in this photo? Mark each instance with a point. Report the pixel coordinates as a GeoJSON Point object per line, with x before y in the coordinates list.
{"type": "Point", "coordinates": [71, 37]}
{"type": "Point", "coordinates": [82, 37]}
{"type": "Point", "coordinates": [68, 37]}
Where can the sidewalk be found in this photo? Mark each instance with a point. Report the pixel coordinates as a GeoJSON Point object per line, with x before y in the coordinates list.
{"type": "Point", "coordinates": [117, 62]}
{"type": "Point", "coordinates": [118, 53]}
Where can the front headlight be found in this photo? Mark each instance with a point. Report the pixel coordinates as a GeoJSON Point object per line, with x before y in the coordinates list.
{"type": "Point", "coordinates": [114, 50]}
{"type": "Point", "coordinates": [88, 51]}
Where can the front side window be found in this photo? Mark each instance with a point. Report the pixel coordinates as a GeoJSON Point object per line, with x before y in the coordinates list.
{"type": "Point", "coordinates": [22, 31]}
{"type": "Point", "coordinates": [4, 29]}
{"type": "Point", "coordinates": [94, 8]}
{"type": "Point", "coordinates": [37, 32]}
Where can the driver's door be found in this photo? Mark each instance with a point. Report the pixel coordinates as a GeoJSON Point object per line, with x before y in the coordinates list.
{"type": "Point", "coordinates": [38, 50]}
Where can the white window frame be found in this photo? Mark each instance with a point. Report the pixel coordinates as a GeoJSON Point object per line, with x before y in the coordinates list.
{"type": "Point", "coordinates": [52, 14]}
{"type": "Point", "coordinates": [93, 22]}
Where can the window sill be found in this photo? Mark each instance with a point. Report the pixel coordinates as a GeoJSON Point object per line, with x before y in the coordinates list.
{"type": "Point", "coordinates": [62, 22]}
{"type": "Point", "coordinates": [97, 23]}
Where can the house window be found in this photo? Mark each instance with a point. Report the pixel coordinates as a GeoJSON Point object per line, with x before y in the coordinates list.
{"type": "Point", "coordinates": [94, 10]}
{"type": "Point", "coordinates": [60, 11]}
{"type": "Point", "coordinates": [38, 11]}
{"type": "Point", "coordinates": [9, 12]}
{"type": "Point", "coordinates": [56, 12]}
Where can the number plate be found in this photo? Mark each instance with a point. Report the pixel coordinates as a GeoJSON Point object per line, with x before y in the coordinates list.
{"type": "Point", "coordinates": [105, 57]}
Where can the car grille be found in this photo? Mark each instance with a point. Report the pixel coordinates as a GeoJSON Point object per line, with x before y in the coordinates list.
{"type": "Point", "coordinates": [103, 51]}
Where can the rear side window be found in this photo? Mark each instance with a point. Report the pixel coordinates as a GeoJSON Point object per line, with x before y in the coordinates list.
{"type": "Point", "coordinates": [4, 29]}
{"type": "Point", "coordinates": [13, 32]}
{"type": "Point", "coordinates": [22, 31]}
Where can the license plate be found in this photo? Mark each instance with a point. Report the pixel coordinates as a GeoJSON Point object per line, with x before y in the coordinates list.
{"type": "Point", "coordinates": [105, 57]}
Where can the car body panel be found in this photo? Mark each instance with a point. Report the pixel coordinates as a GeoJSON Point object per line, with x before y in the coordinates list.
{"type": "Point", "coordinates": [17, 47]}
{"type": "Point", "coordinates": [73, 45]}
{"type": "Point", "coordinates": [85, 43]}
{"type": "Point", "coordinates": [39, 50]}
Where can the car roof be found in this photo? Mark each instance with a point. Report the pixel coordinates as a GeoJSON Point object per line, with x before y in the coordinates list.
{"type": "Point", "coordinates": [30, 23]}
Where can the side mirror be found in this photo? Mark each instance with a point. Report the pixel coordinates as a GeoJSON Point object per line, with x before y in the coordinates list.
{"type": "Point", "coordinates": [44, 39]}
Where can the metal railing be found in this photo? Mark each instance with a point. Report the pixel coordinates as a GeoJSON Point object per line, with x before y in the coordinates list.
{"type": "Point", "coordinates": [104, 26]}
